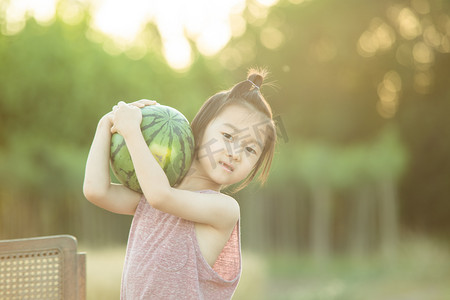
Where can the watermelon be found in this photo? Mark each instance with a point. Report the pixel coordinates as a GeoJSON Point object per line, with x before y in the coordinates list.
{"type": "Point", "coordinates": [169, 137]}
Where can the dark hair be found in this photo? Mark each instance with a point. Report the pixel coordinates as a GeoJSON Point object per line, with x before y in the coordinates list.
{"type": "Point", "coordinates": [246, 93]}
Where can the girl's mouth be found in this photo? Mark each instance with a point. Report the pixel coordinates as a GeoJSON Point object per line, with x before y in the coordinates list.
{"type": "Point", "coordinates": [226, 166]}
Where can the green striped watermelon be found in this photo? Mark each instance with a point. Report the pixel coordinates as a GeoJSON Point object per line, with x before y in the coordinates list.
{"type": "Point", "coordinates": [169, 137]}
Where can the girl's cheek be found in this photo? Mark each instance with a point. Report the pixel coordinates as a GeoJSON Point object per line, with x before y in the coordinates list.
{"type": "Point", "coordinates": [216, 147]}
{"type": "Point", "coordinates": [212, 145]}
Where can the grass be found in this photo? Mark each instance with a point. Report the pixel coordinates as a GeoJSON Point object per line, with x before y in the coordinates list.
{"type": "Point", "coordinates": [104, 271]}
{"type": "Point", "coordinates": [420, 271]}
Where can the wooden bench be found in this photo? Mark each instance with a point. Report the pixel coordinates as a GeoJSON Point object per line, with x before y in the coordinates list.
{"type": "Point", "coordinates": [42, 268]}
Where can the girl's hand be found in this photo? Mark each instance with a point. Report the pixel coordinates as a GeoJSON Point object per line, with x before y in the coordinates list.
{"type": "Point", "coordinates": [123, 114]}
{"type": "Point", "coordinates": [143, 102]}
{"type": "Point", "coordinates": [126, 118]}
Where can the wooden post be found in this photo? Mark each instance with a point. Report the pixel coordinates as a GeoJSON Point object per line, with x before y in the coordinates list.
{"type": "Point", "coordinates": [81, 270]}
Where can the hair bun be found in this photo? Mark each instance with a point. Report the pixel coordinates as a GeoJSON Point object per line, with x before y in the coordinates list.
{"type": "Point", "coordinates": [257, 76]}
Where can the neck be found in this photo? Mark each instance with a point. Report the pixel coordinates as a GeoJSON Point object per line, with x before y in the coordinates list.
{"type": "Point", "coordinates": [195, 180]}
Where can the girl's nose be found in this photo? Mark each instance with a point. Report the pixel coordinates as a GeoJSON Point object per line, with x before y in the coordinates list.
{"type": "Point", "coordinates": [234, 154]}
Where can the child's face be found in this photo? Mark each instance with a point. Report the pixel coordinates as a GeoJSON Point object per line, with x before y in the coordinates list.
{"type": "Point", "coordinates": [232, 144]}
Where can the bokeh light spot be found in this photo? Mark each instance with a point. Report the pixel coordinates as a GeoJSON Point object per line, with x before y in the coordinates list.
{"type": "Point", "coordinates": [178, 53]}
{"type": "Point", "coordinates": [423, 81]}
{"type": "Point", "coordinates": [271, 38]}
{"type": "Point", "coordinates": [70, 12]}
{"type": "Point", "coordinates": [389, 93]}
{"type": "Point", "coordinates": [422, 53]}
{"type": "Point", "coordinates": [408, 23]}
{"type": "Point", "coordinates": [378, 37]}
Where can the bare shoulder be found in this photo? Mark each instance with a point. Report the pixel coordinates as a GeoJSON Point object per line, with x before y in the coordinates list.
{"type": "Point", "coordinates": [233, 208]}
{"type": "Point", "coordinates": [216, 209]}
{"type": "Point", "coordinates": [224, 210]}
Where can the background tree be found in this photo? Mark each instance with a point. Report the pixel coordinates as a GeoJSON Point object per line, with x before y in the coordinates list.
{"type": "Point", "coordinates": [345, 71]}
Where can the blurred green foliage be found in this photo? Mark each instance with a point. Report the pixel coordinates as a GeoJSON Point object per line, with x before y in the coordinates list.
{"type": "Point", "coordinates": [55, 84]}
{"type": "Point", "coordinates": [342, 139]}
{"type": "Point", "coordinates": [332, 93]}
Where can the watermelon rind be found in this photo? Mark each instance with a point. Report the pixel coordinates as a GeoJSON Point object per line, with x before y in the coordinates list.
{"type": "Point", "coordinates": [169, 138]}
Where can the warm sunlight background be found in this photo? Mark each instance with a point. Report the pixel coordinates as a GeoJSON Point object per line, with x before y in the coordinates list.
{"type": "Point", "coordinates": [356, 205]}
{"type": "Point", "coordinates": [208, 23]}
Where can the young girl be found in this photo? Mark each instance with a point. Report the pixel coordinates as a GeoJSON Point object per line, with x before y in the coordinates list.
{"type": "Point", "coordinates": [184, 241]}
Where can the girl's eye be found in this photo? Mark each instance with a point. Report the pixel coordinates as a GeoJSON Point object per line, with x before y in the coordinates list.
{"type": "Point", "coordinates": [251, 150]}
{"type": "Point", "coordinates": [227, 136]}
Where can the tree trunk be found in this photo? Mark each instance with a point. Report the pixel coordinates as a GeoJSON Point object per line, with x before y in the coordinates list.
{"type": "Point", "coordinates": [388, 219]}
{"type": "Point", "coordinates": [360, 231]}
{"type": "Point", "coordinates": [286, 229]}
{"type": "Point", "coordinates": [321, 222]}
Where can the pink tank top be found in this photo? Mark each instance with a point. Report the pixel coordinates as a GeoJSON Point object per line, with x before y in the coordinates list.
{"type": "Point", "coordinates": [163, 260]}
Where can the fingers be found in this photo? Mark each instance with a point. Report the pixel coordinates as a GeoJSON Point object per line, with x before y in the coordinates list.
{"type": "Point", "coordinates": [113, 129]}
{"type": "Point", "coordinates": [144, 102]}
{"type": "Point", "coordinates": [121, 104]}
{"type": "Point", "coordinates": [140, 103]}
{"type": "Point", "coordinates": [118, 105]}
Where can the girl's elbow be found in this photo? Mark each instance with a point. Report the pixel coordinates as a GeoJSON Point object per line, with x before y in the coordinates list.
{"type": "Point", "coordinates": [90, 195]}
{"type": "Point", "coordinates": [93, 194]}
{"type": "Point", "coordinates": [157, 199]}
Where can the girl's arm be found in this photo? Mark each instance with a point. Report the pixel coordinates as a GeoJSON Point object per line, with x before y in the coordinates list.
{"type": "Point", "coordinates": [218, 210]}
{"type": "Point", "coordinates": [97, 186]}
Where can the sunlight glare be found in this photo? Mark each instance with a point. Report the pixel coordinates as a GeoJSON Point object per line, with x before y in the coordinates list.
{"type": "Point", "coordinates": [258, 14]}
{"type": "Point", "coordinates": [70, 12]}
{"type": "Point", "coordinates": [213, 38]}
{"type": "Point", "coordinates": [178, 53]}
{"type": "Point", "coordinates": [267, 3]}
{"type": "Point", "coordinates": [120, 19]}
{"type": "Point", "coordinates": [209, 24]}
{"type": "Point", "coordinates": [15, 20]}
{"type": "Point", "coordinates": [45, 11]}
{"type": "Point", "coordinates": [17, 12]}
